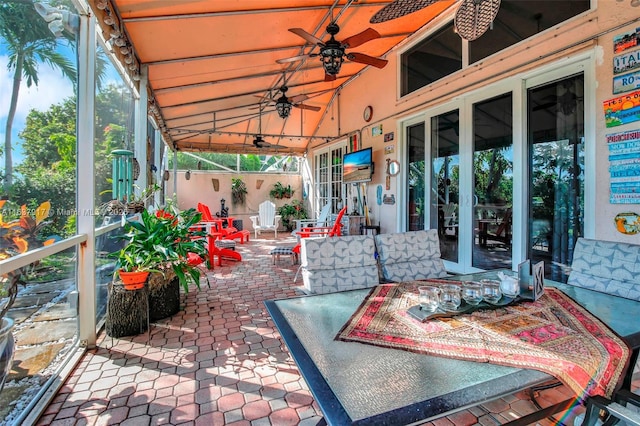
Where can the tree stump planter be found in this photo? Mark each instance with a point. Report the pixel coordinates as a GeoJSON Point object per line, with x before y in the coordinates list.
{"type": "Point", "coordinates": [127, 311]}
{"type": "Point", "coordinates": [164, 295]}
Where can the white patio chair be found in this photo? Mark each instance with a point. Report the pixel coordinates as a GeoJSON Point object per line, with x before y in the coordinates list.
{"type": "Point", "coordinates": [267, 219]}
{"type": "Point", "coordinates": [322, 219]}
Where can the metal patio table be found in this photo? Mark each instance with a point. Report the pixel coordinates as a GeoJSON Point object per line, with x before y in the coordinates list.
{"type": "Point", "coordinates": [359, 384]}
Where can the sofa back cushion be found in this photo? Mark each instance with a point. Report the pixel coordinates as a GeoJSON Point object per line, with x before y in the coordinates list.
{"type": "Point", "coordinates": [412, 255]}
{"type": "Point", "coordinates": [606, 266]}
{"type": "Point", "coordinates": [338, 263]}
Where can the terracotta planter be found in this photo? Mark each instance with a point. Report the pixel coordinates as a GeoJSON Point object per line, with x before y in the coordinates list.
{"type": "Point", "coordinates": [133, 280]}
{"type": "Point", "coordinates": [7, 349]}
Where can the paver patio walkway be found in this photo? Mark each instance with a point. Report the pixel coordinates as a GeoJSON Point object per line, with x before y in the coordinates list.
{"type": "Point", "coordinates": [220, 362]}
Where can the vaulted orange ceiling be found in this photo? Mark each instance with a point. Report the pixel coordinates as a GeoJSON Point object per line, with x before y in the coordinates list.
{"type": "Point", "coordinates": [212, 69]}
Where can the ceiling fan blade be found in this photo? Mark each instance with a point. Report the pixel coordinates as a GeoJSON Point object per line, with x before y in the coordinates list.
{"type": "Point", "coordinates": [309, 107]}
{"type": "Point", "coordinates": [329, 77]}
{"type": "Point", "coordinates": [264, 97]}
{"type": "Point", "coordinates": [298, 98]}
{"type": "Point", "coordinates": [305, 35]}
{"type": "Point", "coordinates": [360, 38]}
{"type": "Point", "coordinates": [366, 59]}
{"type": "Point", "coordinates": [398, 9]}
{"type": "Point", "coordinates": [294, 58]}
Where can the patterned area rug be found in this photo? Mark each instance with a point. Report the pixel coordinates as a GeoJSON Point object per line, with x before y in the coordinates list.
{"type": "Point", "coordinates": [553, 334]}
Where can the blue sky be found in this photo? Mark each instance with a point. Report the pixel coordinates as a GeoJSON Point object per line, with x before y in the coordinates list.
{"type": "Point", "coordinates": [52, 88]}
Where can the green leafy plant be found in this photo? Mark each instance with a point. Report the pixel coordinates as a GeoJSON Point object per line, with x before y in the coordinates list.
{"type": "Point", "coordinates": [291, 212]}
{"type": "Point", "coordinates": [238, 191]}
{"type": "Point", "coordinates": [162, 241]}
{"type": "Point", "coordinates": [281, 191]}
{"type": "Point", "coordinates": [16, 237]}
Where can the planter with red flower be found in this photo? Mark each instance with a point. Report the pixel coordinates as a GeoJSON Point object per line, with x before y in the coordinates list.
{"type": "Point", "coordinates": [161, 245]}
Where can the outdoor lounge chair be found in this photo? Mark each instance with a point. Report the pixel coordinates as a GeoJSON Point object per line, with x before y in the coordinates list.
{"type": "Point", "coordinates": [267, 219]}
{"type": "Point", "coordinates": [321, 221]}
{"type": "Point", "coordinates": [227, 230]}
{"type": "Point", "coordinates": [409, 256]}
{"type": "Point", "coordinates": [319, 231]}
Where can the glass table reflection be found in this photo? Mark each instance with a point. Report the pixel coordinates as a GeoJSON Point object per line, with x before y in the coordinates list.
{"type": "Point", "coordinates": [355, 383]}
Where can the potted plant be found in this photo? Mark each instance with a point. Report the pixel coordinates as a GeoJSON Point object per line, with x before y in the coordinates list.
{"type": "Point", "coordinates": [291, 212]}
{"type": "Point", "coordinates": [134, 204]}
{"type": "Point", "coordinates": [238, 191]}
{"type": "Point", "coordinates": [163, 245]}
{"type": "Point", "coordinates": [280, 191]}
{"type": "Point", "coordinates": [16, 237]}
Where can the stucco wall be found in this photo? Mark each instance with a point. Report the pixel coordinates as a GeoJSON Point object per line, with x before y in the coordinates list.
{"type": "Point", "coordinates": [589, 34]}
{"type": "Point", "coordinates": [200, 189]}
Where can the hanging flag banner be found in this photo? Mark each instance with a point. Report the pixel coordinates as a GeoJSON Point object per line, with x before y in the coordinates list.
{"type": "Point", "coordinates": [622, 110]}
{"type": "Point", "coordinates": [624, 167]}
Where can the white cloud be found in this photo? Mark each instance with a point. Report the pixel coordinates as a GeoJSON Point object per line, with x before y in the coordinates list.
{"type": "Point", "coordinates": [52, 88]}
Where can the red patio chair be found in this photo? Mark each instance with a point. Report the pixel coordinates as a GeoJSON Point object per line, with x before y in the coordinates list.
{"type": "Point", "coordinates": [228, 232]}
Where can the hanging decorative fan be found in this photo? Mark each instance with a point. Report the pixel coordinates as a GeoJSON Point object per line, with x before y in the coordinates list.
{"type": "Point", "coordinates": [284, 104]}
{"type": "Point", "coordinates": [398, 9]}
{"type": "Point", "coordinates": [332, 52]}
{"type": "Point", "coordinates": [473, 17]}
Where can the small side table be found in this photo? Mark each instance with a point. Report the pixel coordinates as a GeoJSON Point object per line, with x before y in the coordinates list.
{"type": "Point", "coordinates": [365, 229]}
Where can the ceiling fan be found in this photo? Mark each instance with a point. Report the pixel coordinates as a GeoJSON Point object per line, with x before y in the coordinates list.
{"type": "Point", "coordinates": [284, 104]}
{"type": "Point", "coordinates": [258, 142]}
{"type": "Point", "coordinates": [473, 17]}
{"type": "Point", "coordinates": [332, 52]}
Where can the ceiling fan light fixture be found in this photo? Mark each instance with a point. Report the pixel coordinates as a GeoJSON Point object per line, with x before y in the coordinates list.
{"type": "Point", "coordinates": [332, 58]}
{"type": "Point", "coordinates": [283, 107]}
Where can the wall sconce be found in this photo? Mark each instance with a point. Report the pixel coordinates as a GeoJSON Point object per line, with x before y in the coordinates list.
{"type": "Point", "coordinates": [187, 175]}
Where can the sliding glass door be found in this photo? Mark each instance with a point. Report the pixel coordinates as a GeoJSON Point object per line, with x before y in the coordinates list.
{"type": "Point", "coordinates": [493, 182]}
{"type": "Point", "coordinates": [416, 177]}
{"type": "Point", "coordinates": [445, 181]}
{"type": "Point", "coordinates": [465, 159]}
{"type": "Point", "coordinates": [556, 157]}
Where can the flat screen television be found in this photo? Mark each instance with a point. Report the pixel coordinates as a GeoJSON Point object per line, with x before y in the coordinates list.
{"type": "Point", "coordinates": [357, 166]}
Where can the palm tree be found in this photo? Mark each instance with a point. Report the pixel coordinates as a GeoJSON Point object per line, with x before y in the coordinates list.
{"type": "Point", "coordinates": [29, 42]}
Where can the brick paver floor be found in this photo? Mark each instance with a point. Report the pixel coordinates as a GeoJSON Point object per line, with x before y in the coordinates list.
{"type": "Point", "coordinates": [220, 361]}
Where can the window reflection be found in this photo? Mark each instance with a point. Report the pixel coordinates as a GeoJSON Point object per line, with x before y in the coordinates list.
{"type": "Point", "coordinates": [493, 182]}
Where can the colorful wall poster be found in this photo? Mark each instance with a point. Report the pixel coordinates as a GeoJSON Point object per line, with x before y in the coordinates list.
{"type": "Point", "coordinates": [626, 82]}
{"type": "Point", "coordinates": [626, 41]}
{"type": "Point", "coordinates": [626, 62]}
{"type": "Point", "coordinates": [624, 167]}
{"type": "Point", "coordinates": [622, 110]}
